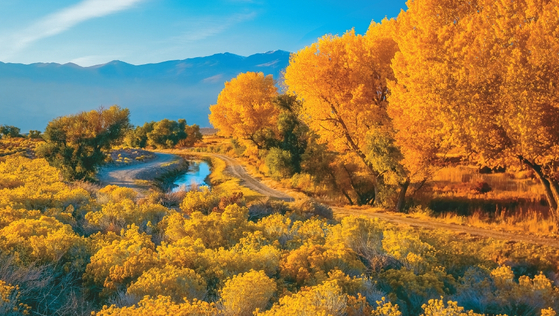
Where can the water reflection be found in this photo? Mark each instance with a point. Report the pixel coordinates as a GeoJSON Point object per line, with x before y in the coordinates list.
{"type": "Point", "coordinates": [196, 174]}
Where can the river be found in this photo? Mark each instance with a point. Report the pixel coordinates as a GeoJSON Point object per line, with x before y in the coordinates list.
{"type": "Point", "coordinates": [196, 174]}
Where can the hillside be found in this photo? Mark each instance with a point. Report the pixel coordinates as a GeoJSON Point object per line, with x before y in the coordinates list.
{"type": "Point", "coordinates": [171, 89]}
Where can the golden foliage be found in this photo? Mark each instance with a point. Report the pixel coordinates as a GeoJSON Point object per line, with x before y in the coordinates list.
{"type": "Point", "coordinates": [44, 240]}
{"type": "Point", "coordinates": [438, 308]}
{"type": "Point", "coordinates": [310, 264]}
{"type": "Point", "coordinates": [325, 299]}
{"type": "Point", "coordinates": [177, 283]}
{"type": "Point", "coordinates": [245, 293]}
{"type": "Point", "coordinates": [343, 83]}
{"type": "Point", "coordinates": [161, 306]}
{"type": "Point", "coordinates": [122, 260]}
{"type": "Point", "coordinates": [244, 107]}
{"type": "Point", "coordinates": [9, 300]}
{"type": "Point", "coordinates": [481, 77]}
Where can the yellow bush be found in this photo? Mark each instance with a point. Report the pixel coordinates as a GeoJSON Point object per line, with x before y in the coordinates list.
{"type": "Point", "coordinates": [122, 261]}
{"type": "Point", "coordinates": [34, 185]}
{"type": "Point", "coordinates": [162, 306]}
{"type": "Point", "coordinates": [117, 194]}
{"type": "Point", "coordinates": [247, 292]}
{"type": "Point", "coordinates": [325, 299]}
{"type": "Point", "coordinates": [117, 215]}
{"type": "Point", "coordinates": [9, 215]}
{"type": "Point", "coordinates": [225, 263]}
{"type": "Point", "coordinates": [438, 308]}
{"type": "Point", "coordinates": [310, 264]}
{"type": "Point", "coordinates": [9, 300]}
{"type": "Point", "coordinates": [385, 308]}
{"type": "Point", "coordinates": [215, 230]}
{"type": "Point", "coordinates": [200, 201]}
{"type": "Point", "coordinates": [177, 283]}
{"type": "Point", "coordinates": [45, 240]}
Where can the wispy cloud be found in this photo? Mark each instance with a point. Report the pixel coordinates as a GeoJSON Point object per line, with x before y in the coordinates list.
{"type": "Point", "coordinates": [65, 19]}
{"type": "Point", "coordinates": [199, 29]}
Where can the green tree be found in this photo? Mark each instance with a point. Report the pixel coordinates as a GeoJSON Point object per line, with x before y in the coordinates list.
{"type": "Point", "coordinates": [34, 134]}
{"type": "Point", "coordinates": [167, 133]}
{"type": "Point", "coordinates": [193, 135]}
{"type": "Point", "coordinates": [9, 131]}
{"type": "Point", "coordinates": [77, 144]}
{"type": "Point", "coordinates": [138, 137]}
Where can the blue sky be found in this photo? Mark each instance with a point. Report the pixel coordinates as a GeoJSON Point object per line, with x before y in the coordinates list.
{"type": "Point", "coordinates": [89, 32]}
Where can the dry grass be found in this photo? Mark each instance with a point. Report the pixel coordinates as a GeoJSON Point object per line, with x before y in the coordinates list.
{"type": "Point", "coordinates": [515, 202]}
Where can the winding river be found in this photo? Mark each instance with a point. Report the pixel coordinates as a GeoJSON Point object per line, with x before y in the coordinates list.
{"type": "Point", "coordinates": [196, 174]}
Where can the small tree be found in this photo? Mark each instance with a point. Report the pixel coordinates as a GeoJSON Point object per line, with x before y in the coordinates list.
{"type": "Point", "coordinates": [9, 131]}
{"type": "Point", "coordinates": [34, 134]}
{"type": "Point", "coordinates": [245, 109]}
{"type": "Point", "coordinates": [167, 133]}
{"type": "Point", "coordinates": [77, 144]}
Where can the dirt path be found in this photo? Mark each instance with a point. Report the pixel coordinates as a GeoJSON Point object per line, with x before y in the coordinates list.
{"type": "Point", "coordinates": [126, 176]}
{"type": "Point", "coordinates": [235, 169]}
{"type": "Point", "coordinates": [415, 222]}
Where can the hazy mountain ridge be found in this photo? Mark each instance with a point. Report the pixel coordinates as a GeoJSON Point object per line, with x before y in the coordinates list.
{"type": "Point", "coordinates": [31, 95]}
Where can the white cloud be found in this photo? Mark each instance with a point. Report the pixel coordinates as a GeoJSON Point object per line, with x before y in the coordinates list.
{"type": "Point", "coordinates": [200, 29]}
{"type": "Point", "coordinates": [65, 19]}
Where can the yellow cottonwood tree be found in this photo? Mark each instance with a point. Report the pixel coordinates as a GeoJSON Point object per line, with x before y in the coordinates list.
{"type": "Point", "coordinates": [244, 108]}
{"type": "Point", "coordinates": [482, 76]}
{"type": "Point", "coordinates": [344, 84]}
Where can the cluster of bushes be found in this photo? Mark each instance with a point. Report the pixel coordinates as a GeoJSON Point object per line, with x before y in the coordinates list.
{"type": "Point", "coordinates": [74, 249]}
{"type": "Point", "coordinates": [163, 134]}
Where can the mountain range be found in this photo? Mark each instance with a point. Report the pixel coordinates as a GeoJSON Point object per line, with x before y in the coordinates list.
{"type": "Point", "coordinates": [32, 95]}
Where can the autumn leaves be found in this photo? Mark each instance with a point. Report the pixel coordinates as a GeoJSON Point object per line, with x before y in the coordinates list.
{"type": "Point", "coordinates": [476, 79]}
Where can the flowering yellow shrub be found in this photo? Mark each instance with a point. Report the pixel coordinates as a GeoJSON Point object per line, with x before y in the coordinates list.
{"type": "Point", "coordinates": [215, 230]}
{"type": "Point", "coordinates": [121, 261]}
{"type": "Point", "coordinates": [116, 194]}
{"type": "Point", "coordinates": [385, 308]}
{"type": "Point", "coordinates": [200, 201]}
{"type": "Point", "coordinates": [44, 240]}
{"type": "Point", "coordinates": [117, 215]}
{"type": "Point", "coordinates": [9, 215]}
{"type": "Point", "coordinates": [225, 263]}
{"type": "Point", "coordinates": [34, 185]}
{"type": "Point", "coordinates": [177, 283]}
{"type": "Point", "coordinates": [414, 288]}
{"type": "Point", "coordinates": [325, 299]}
{"type": "Point", "coordinates": [363, 235]}
{"type": "Point", "coordinates": [9, 300]}
{"type": "Point", "coordinates": [527, 296]}
{"type": "Point", "coordinates": [438, 308]}
{"type": "Point", "coordinates": [310, 264]}
{"type": "Point", "coordinates": [244, 293]}
{"type": "Point", "coordinates": [162, 306]}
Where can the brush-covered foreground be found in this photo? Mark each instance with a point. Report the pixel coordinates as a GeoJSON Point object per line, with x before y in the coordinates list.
{"type": "Point", "coordinates": [73, 249]}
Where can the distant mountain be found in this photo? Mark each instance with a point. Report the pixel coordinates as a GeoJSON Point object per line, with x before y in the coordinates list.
{"type": "Point", "coordinates": [32, 95]}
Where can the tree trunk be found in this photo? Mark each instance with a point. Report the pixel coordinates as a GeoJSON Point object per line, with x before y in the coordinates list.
{"type": "Point", "coordinates": [549, 186]}
{"type": "Point", "coordinates": [402, 195]}
{"type": "Point", "coordinates": [555, 190]}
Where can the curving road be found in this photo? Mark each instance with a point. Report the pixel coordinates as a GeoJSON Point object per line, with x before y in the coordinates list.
{"type": "Point", "coordinates": [126, 176]}
{"type": "Point", "coordinates": [235, 169]}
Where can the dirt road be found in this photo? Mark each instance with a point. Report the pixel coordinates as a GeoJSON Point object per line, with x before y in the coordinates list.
{"type": "Point", "coordinates": [415, 222]}
{"type": "Point", "coordinates": [235, 169]}
{"type": "Point", "coordinates": [126, 176]}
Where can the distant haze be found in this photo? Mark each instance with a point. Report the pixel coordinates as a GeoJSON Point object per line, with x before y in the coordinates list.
{"type": "Point", "coordinates": [32, 95]}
